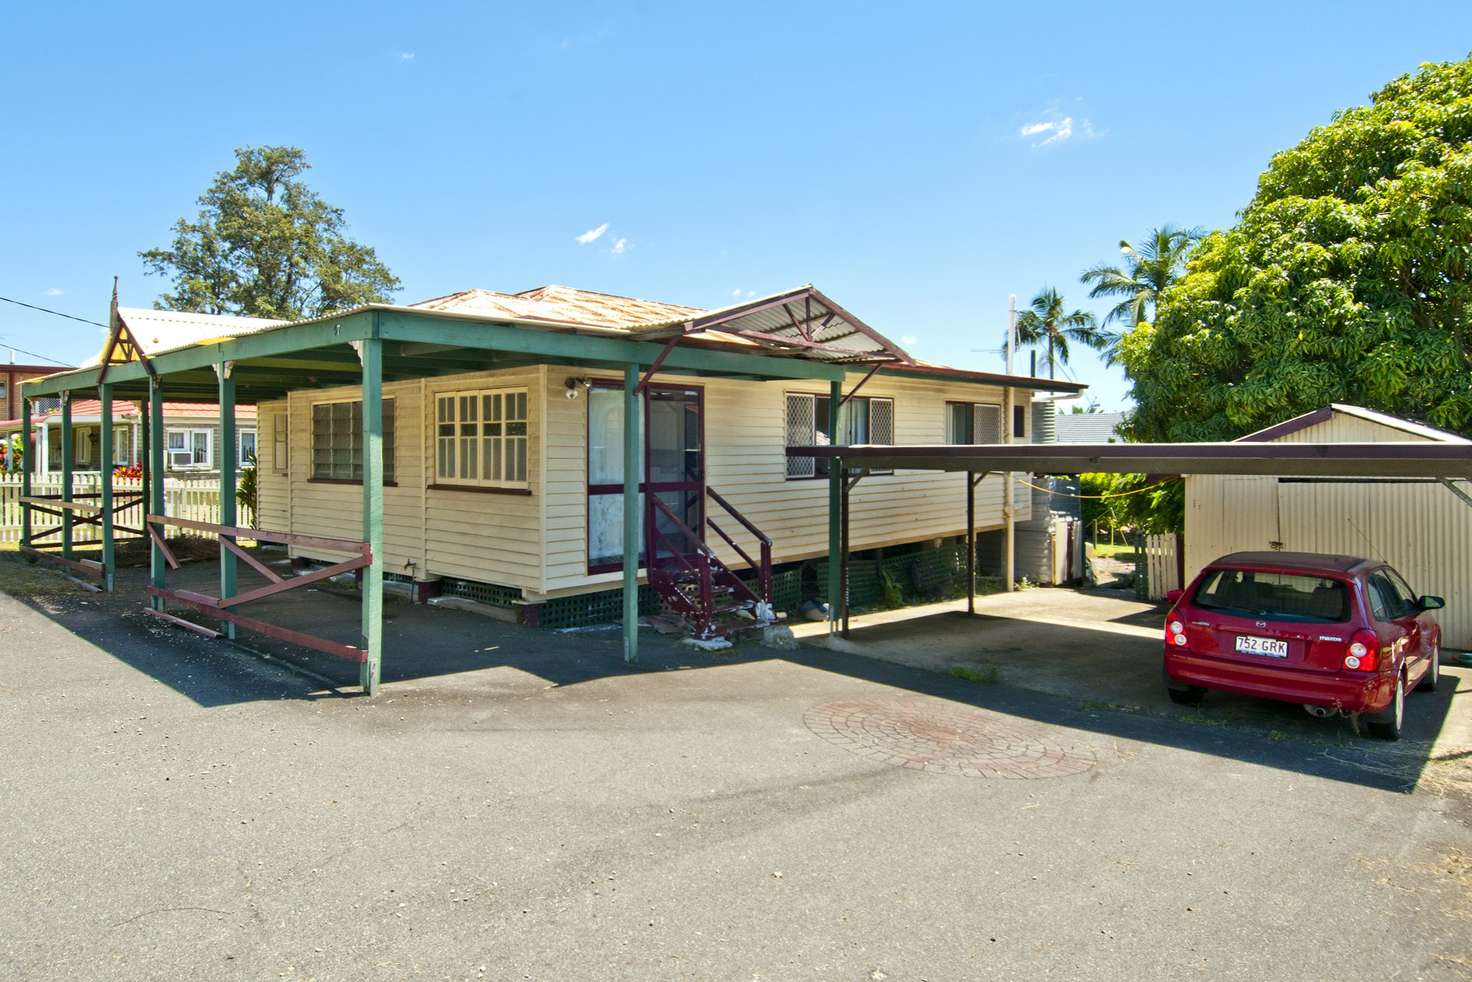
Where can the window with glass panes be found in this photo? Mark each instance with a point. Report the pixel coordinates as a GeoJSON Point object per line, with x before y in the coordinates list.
{"type": "Point", "coordinates": [481, 438]}
{"type": "Point", "coordinates": [337, 441]}
{"type": "Point", "coordinates": [973, 422]}
{"type": "Point", "coordinates": [860, 420]}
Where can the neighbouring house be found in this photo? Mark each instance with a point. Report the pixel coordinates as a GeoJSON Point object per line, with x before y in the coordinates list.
{"type": "Point", "coordinates": [1421, 526]}
{"type": "Point", "coordinates": [11, 375]}
{"type": "Point", "coordinates": [191, 434]}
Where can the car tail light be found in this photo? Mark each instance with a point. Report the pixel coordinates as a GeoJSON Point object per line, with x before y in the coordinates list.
{"type": "Point", "coordinates": [1175, 633]}
{"type": "Point", "coordinates": [1363, 653]}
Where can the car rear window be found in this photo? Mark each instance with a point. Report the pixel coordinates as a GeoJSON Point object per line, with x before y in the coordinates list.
{"type": "Point", "coordinates": [1280, 596]}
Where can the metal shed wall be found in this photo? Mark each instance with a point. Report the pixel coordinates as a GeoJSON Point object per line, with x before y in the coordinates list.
{"type": "Point", "coordinates": [1417, 525]}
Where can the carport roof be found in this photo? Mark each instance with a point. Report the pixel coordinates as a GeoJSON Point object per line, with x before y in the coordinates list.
{"type": "Point", "coordinates": [1389, 459]}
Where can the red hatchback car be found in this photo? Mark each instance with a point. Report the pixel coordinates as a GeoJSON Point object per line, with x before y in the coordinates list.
{"type": "Point", "coordinates": [1338, 634]}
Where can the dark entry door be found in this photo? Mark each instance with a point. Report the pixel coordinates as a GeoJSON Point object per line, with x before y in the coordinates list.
{"type": "Point", "coordinates": [673, 461]}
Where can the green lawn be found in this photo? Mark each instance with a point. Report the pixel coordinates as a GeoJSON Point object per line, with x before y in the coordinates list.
{"type": "Point", "coordinates": [1119, 550]}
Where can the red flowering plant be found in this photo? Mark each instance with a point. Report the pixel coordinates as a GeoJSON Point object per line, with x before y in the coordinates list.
{"type": "Point", "coordinates": [129, 472]}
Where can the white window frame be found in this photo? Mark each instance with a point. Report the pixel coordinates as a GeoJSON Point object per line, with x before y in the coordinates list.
{"type": "Point", "coordinates": [240, 457]}
{"type": "Point", "coordinates": [280, 443]}
{"type": "Point", "coordinates": [390, 447]}
{"type": "Point", "coordinates": [189, 433]}
{"type": "Point", "coordinates": [446, 446]}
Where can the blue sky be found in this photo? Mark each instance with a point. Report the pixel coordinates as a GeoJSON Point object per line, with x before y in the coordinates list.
{"type": "Point", "coordinates": [916, 163]}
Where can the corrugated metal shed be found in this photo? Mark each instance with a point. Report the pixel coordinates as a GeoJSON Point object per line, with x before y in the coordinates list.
{"type": "Point", "coordinates": [1417, 525]}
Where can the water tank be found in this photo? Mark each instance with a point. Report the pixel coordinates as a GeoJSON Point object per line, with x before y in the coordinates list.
{"type": "Point", "coordinates": [1044, 422]}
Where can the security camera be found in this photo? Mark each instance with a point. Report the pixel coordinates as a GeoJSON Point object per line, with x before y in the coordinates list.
{"type": "Point", "coordinates": [574, 383]}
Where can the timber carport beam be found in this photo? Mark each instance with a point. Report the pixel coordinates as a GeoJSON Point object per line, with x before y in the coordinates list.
{"type": "Point", "coordinates": [1440, 461]}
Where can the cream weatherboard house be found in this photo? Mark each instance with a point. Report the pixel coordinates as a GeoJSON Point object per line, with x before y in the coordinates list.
{"type": "Point", "coordinates": [557, 443]}
{"type": "Point", "coordinates": [514, 478]}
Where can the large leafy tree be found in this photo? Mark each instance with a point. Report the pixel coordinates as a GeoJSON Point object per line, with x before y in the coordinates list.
{"type": "Point", "coordinates": [1137, 283]}
{"type": "Point", "coordinates": [1347, 278]}
{"type": "Point", "coordinates": [1047, 323]}
{"type": "Point", "coordinates": [265, 245]}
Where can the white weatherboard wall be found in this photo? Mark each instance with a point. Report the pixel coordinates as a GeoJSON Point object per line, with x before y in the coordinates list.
{"type": "Point", "coordinates": [1419, 527]}
{"type": "Point", "coordinates": [538, 542]}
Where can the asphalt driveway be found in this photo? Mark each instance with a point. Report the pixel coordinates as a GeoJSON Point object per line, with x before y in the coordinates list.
{"type": "Point", "coordinates": [174, 808]}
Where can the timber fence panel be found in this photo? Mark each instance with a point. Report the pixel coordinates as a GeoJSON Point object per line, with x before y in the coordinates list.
{"type": "Point", "coordinates": [193, 498]}
{"type": "Point", "coordinates": [1162, 565]}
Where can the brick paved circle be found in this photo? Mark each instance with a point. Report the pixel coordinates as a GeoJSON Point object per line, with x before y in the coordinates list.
{"type": "Point", "coordinates": [930, 735]}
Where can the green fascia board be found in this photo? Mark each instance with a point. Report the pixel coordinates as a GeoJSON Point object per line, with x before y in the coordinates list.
{"type": "Point", "coordinates": [401, 326]}
{"type": "Point", "coordinates": [263, 344]}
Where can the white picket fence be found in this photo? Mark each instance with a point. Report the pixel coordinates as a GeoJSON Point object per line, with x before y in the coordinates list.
{"type": "Point", "coordinates": [197, 499]}
{"type": "Point", "coordinates": [1162, 568]}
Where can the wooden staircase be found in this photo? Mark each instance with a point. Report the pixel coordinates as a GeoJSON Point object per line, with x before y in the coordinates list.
{"type": "Point", "coordinates": [693, 584]}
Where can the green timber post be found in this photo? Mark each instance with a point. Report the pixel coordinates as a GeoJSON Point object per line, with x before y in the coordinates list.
{"type": "Point", "coordinates": [155, 486]}
{"type": "Point", "coordinates": [370, 350]}
{"type": "Point", "coordinates": [29, 456]}
{"type": "Point", "coordinates": [228, 456]}
{"type": "Point", "coordinates": [104, 477]}
{"type": "Point", "coordinates": [67, 447]}
{"type": "Point", "coordinates": [835, 508]}
{"type": "Point", "coordinates": [632, 445]}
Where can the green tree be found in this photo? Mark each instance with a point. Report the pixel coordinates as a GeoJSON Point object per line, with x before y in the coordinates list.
{"type": "Point", "coordinates": [1347, 278]}
{"type": "Point", "coordinates": [1047, 323]}
{"type": "Point", "coordinates": [265, 245]}
{"type": "Point", "coordinates": [1157, 263]}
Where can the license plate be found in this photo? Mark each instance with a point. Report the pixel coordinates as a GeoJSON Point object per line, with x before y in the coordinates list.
{"type": "Point", "coordinates": [1270, 647]}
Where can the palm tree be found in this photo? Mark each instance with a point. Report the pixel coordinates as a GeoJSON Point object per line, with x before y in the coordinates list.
{"type": "Point", "coordinates": [1046, 323]}
{"type": "Point", "coordinates": [1156, 264]}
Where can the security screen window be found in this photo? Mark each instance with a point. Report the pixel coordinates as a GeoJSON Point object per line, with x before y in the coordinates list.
{"type": "Point", "coordinates": [861, 420]}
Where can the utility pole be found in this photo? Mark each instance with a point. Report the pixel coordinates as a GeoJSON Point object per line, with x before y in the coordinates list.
{"type": "Point", "coordinates": [1008, 541]}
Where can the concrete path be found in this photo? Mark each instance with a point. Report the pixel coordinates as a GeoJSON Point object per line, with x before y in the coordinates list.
{"type": "Point", "coordinates": [173, 808]}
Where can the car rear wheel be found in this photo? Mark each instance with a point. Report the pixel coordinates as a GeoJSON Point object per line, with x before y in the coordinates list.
{"type": "Point", "coordinates": [1189, 696]}
{"type": "Point", "coordinates": [1386, 726]}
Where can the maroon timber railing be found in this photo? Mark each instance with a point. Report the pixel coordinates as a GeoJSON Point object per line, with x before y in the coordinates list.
{"type": "Point", "coordinates": [763, 568]}
{"type": "Point", "coordinates": [687, 578]}
{"type": "Point", "coordinates": [224, 607]}
{"type": "Point", "coordinates": [82, 513]}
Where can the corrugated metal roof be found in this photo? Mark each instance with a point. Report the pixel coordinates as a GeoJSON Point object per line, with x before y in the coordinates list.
{"type": "Point", "coordinates": [1318, 416]}
{"type": "Point", "coordinates": [561, 305]}
{"type": "Point", "coordinates": [164, 330]}
{"type": "Point", "coordinates": [799, 323]}
{"type": "Point", "coordinates": [1088, 427]}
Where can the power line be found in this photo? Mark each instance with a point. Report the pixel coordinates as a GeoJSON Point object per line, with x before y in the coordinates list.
{"type": "Point", "coordinates": [56, 313]}
{"type": "Point", "coordinates": [54, 361]}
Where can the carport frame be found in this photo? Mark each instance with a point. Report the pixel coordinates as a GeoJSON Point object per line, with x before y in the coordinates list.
{"type": "Point", "coordinates": [1440, 461]}
{"type": "Point", "coordinates": [390, 343]}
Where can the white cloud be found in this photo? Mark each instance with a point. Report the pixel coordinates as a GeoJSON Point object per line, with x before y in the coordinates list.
{"type": "Point", "coordinates": [54, 291]}
{"type": "Point", "coordinates": [908, 340]}
{"type": "Point", "coordinates": [406, 56]}
{"type": "Point", "coordinates": [592, 234]}
{"type": "Point", "coordinates": [736, 292]}
{"type": "Point", "coordinates": [1060, 129]}
{"type": "Point", "coordinates": [619, 245]}
{"type": "Point", "coordinates": [751, 293]}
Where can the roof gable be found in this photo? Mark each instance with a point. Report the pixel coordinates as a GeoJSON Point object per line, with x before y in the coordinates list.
{"type": "Point", "coordinates": [1403, 428]}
